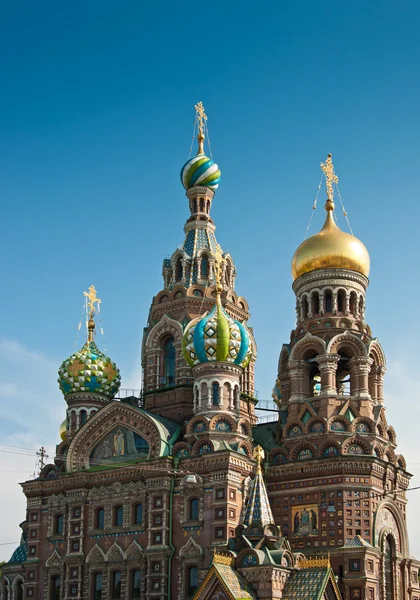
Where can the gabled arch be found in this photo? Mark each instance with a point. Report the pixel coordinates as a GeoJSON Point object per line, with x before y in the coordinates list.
{"type": "Point", "coordinates": [308, 342]}
{"type": "Point", "coordinates": [283, 360]}
{"type": "Point", "coordinates": [375, 350]}
{"type": "Point", "coordinates": [103, 422]}
{"type": "Point", "coordinates": [391, 435]}
{"type": "Point", "coordinates": [115, 554]}
{"type": "Point", "coordinates": [303, 445]}
{"type": "Point", "coordinates": [401, 525]}
{"type": "Point", "coordinates": [164, 327]}
{"type": "Point", "coordinates": [349, 340]}
{"type": "Point", "coordinates": [96, 556]}
{"type": "Point", "coordinates": [355, 439]}
{"type": "Point", "coordinates": [134, 552]}
{"type": "Point", "coordinates": [191, 549]}
{"type": "Point", "coordinates": [55, 560]}
{"type": "Point", "coordinates": [355, 425]}
{"type": "Point", "coordinates": [326, 445]}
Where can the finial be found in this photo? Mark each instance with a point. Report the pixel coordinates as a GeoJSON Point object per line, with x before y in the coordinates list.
{"type": "Point", "coordinates": [259, 457]}
{"type": "Point", "coordinates": [218, 270]}
{"type": "Point", "coordinates": [201, 122]}
{"type": "Point", "coordinates": [330, 178]}
{"type": "Point", "coordinates": [92, 300]}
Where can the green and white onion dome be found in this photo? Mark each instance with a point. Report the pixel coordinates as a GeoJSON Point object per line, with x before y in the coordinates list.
{"type": "Point", "coordinates": [89, 370]}
{"type": "Point", "coordinates": [217, 337]}
{"type": "Point", "coordinates": [200, 170]}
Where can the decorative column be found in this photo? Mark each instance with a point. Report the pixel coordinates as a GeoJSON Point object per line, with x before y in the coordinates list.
{"type": "Point", "coordinates": [199, 268]}
{"type": "Point", "coordinates": [231, 406]}
{"type": "Point", "coordinates": [334, 303]}
{"type": "Point", "coordinates": [209, 396]}
{"type": "Point", "coordinates": [297, 370]}
{"type": "Point", "coordinates": [328, 367]}
{"type": "Point", "coordinates": [184, 269]}
{"type": "Point", "coordinates": [359, 376]}
{"type": "Point", "coordinates": [321, 303]}
{"type": "Point", "coordinates": [199, 399]}
{"type": "Point", "coordinates": [379, 379]}
{"type": "Point", "coordinates": [347, 307]}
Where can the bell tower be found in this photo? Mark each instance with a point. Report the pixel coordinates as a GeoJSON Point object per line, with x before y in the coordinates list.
{"type": "Point", "coordinates": [335, 476]}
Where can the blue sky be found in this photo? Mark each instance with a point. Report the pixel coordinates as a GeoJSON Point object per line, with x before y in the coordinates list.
{"type": "Point", "coordinates": [96, 116]}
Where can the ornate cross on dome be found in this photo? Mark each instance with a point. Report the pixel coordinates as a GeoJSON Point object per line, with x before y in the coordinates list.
{"type": "Point", "coordinates": [92, 300]}
{"type": "Point", "coordinates": [330, 176]}
{"type": "Point", "coordinates": [218, 267]}
{"type": "Point", "coordinates": [201, 122]}
{"type": "Point", "coordinates": [259, 457]}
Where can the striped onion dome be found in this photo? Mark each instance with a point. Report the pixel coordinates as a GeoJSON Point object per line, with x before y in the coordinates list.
{"type": "Point", "coordinates": [200, 170]}
{"type": "Point", "coordinates": [217, 337]}
{"type": "Point", "coordinates": [89, 370]}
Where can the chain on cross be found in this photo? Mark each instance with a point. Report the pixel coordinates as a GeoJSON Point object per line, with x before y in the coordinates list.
{"type": "Point", "coordinates": [330, 176]}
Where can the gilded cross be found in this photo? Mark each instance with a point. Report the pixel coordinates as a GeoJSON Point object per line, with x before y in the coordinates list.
{"type": "Point", "coordinates": [259, 457]}
{"type": "Point", "coordinates": [201, 117]}
{"type": "Point", "coordinates": [218, 263]}
{"type": "Point", "coordinates": [330, 176]}
{"type": "Point", "coordinates": [92, 300]}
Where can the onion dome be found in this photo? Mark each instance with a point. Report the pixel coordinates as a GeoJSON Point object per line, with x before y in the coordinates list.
{"type": "Point", "coordinates": [331, 248]}
{"type": "Point", "coordinates": [89, 370]}
{"type": "Point", "coordinates": [217, 337]}
{"type": "Point", "coordinates": [63, 430]}
{"type": "Point", "coordinates": [200, 170]}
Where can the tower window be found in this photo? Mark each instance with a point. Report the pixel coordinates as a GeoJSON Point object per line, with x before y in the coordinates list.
{"type": "Point", "coordinates": [168, 363]}
{"type": "Point", "coordinates": [83, 417]}
{"type": "Point", "coordinates": [305, 307]}
{"type": "Point", "coordinates": [138, 514]}
{"type": "Point", "coordinates": [205, 267]}
{"type": "Point", "coordinates": [178, 270]}
{"type": "Point", "coordinates": [341, 301]}
{"type": "Point", "coordinates": [328, 301]}
{"type": "Point", "coordinates": [59, 525]}
{"type": "Point", "coordinates": [99, 518]}
{"type": "Point", "coordinates": [192, 579]}
{"type": "Point", "coordinates": [118, 516]}
{"type": "Point", "coordinates": [389, 568]}
{"type": "Point", "coordinates": [193, 509]}
{"type": "Point", "coordinates": [135, 584]}
{"type": "Point", "coordinates": [315, 303]}
{"type": "Point", "coordinates": [353, 303]}
{"type": "Point", "coordinates": [202, 205]}
{"type": "Point", "coordinates": [216, 394]}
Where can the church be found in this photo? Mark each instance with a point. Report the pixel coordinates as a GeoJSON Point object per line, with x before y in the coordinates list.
{"type": "Point", "coordinates": [181, 493]}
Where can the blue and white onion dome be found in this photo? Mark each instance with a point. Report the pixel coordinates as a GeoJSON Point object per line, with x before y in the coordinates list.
{"type": "Point", "coordinates": [89, 370]}
{"type": "Point", "coordinates": [217, 337]}
{"type": "Point", "coordinates": [200, 170]}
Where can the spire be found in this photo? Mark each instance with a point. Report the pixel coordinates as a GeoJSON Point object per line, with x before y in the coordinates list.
{"type": "Point", "coordinates": [91, 300]}
{"type": "Point", "coordinates": [201, 122]}
{"type": "Point", "coordinates": [258, 510]}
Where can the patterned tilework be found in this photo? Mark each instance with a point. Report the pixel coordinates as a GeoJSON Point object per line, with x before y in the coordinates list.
{"type": "Point", "coordinates": [20, 554]}
{"type": "Point", "coordinates": [357, 542]}
{"type": "Point", "coordinates": [235, 582]}
{"type": "Point", "coordinates": [89, 370]}
{"type": "Point", "coordinates": [258, 510]}
{"type": "Point", "coordinates": [307, 584]}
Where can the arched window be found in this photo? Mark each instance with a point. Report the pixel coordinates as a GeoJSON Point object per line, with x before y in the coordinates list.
{"type": "Point", "coordinates": [73, 420]}
{"type": "Point", "coordinates": [168, 363]}
{"type": "Point", "coordinates": [19, 590]}
{"type": "Point", "coordinates": [58, 524]}
{"type": "Point", "coordinates": [83, 417]}
{"type": "Point", "coordinates": [138, 514]}
{"type": "Point", "coordinates": [216, 394]}
{"type": "Point", "coordinates": [178, 270]}
{"type": "Point", "coordinates": [353, 303]}
{"type": "Point", "coordinates": [118, 516]}
{"type": "Point", "coordinates": [116, 585]}
{"type": "Point", "coordinates": [193, 509]}
{"type": "Point", "coordinates": [315, 303]}
{"type": "Point", "coordinates": [205, 267]}
{"type": "Point", "coordinates": [97, 586]}
{"type": "Point", "coordinates": [99, 518]}
{"type": "Point", "coordinates": [202, 205]}
{"type": "Point", "coordinates": [361, 306]}
{"type": "Point", "coordinates": [389, 568]}
{"type": "Point", "coordinates": [305, 307]}
{"type": "Point", "coordinates": [192, 580]}
{"type": "Point", "coordinates": [55, 587]}
{"type": "Point", "coordinates": [341, 301]}
{"type": "Point", "coordinates": [328, 301]}
{"type": "Point", "coordinates": [135, 584]}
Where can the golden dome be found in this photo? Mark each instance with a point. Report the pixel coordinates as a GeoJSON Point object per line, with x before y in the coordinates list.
{"type": "Point", "coordinates": [63, 430]}
{"type": "Point", "coordinates": [331, 248]}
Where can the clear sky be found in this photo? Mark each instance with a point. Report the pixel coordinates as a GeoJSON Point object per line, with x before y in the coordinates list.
{"type": "Point", "coordinates": [96, 116]}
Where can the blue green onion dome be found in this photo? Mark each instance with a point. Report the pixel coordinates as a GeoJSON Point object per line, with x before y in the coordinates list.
{"type": "Point", "coordinates": [200, 170]}
{"type": "Point", "coordinates": [217, 337]}
{"type": "Point", "coordinates": [89, 370]}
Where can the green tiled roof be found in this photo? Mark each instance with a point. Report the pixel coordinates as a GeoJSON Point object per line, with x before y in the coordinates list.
{"type": "Point", "coordinates": [307, 584]}
{"type": "Point", "coordinates": [235, 582]}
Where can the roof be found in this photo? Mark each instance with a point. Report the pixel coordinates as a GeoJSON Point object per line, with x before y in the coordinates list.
{"type": "Point", "coordinates": [168, 430]}
{"type": "Point", "coordinates": [258, 510]}
{"type": "Point", "coordinates": [357, 542]}
{"type": "Point", "coordinates": [231, 581]}
{"type": "Point", "coordinates": [310, 584]}
{"type": "Point", "coordinates": [20, 554]}
{"type": "Point", "coordinates": [265, 434]}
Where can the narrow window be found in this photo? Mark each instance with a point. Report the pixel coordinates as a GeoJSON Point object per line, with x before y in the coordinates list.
{"type": "Point", "coordinates": [315, 303]}
{"type": "Point", "coordinates": [389, 566]}
{"type": "Point", "coordinates": [328, 302]}
{"type": "Point", "coordinates": [116, 585]}
{"type": "Point", "coordinates": [97, 586]}
{"type": "Point", "coordinates": [59, 524]}
{"type": "Point", "coordinates": [138, 514]}
{"type": "Point", "coordinates": [118, 516]}
{"type": "Point", "coordinates": [83, 417]}
{"type": "Point", "coordinates": [19, 595]}
{"type": "Point", "coordinates": [178, 270]}
{"type": "Point", "coordinates": [353, 303]}
{"type": "Point", "coordinates": [201, 204]}
{"type": "Point", "coordinates": [192, 579]}
{"type": "Point", "coordinates": [99, 518]}
{"type": "Point", "coordinates": [168, 363]}
{"type": "Point", "coordinates": [305, 308]}
{"type": "Point", "coordinates": [55, 587]}
{"type": "Point", "coordinates": [341, 301]}
{"type": "Point", "coordinates": [194, 509]}
{"type": "Point", "coordinates": [216, 397]}
{"type": "Point", "coordinates": [204, 267]}
{"type": "Point", "coordinates": [135, 584]}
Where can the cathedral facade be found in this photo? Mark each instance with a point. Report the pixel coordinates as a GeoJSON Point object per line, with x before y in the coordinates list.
{"type": "Point", "coordinates": [180, 493]}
